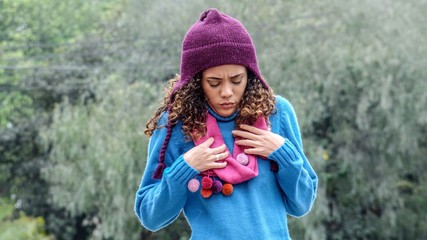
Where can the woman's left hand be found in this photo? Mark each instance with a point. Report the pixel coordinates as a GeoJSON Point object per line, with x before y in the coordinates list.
{"type": "Point", "coordinates": [258, 142]}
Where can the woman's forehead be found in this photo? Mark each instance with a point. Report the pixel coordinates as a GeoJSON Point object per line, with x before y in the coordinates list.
{"type": "Point", "coordinates": [224, 71]}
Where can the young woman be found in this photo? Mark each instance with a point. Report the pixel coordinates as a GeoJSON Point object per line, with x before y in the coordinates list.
{"type": "Point", "coordinates": [224, 149]}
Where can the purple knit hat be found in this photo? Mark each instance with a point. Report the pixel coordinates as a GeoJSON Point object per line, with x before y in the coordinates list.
{"type": "Point", "coordinates": [215, 39]}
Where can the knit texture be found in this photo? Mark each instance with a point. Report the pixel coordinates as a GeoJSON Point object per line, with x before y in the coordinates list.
{"type": "Point", "coordinates": [235, 171]}
{"type": "Point", "coordinates": [256, 209]}
{"type": "Point", "coordinates": [216, 39]}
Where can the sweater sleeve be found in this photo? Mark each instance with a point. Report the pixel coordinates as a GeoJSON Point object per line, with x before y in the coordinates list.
{"type": "Point", "coordinates": [159, 201]}
{"type": "Point", "coordinates": [296, 177]}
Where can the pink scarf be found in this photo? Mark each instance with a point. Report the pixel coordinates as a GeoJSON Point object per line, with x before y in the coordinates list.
{"type": "Point", "coordinates": [240, 167]}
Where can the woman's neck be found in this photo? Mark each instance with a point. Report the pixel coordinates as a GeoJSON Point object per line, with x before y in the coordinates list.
{"type": "Point", "coordinates": [221, 118]}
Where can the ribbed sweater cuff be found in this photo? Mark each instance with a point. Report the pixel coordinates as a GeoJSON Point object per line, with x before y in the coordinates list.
{"type": "Point", "coordinates": [286, 155]}
{"type": "Point", "coordinates": [180, 171]}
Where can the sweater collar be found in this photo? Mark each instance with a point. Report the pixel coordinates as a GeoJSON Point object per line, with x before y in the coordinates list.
{"type": "Point", "coordinates": [220, 118]}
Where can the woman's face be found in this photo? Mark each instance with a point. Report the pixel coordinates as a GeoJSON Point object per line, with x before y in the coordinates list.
{"type": "Point", "coordinates": [224, 87]}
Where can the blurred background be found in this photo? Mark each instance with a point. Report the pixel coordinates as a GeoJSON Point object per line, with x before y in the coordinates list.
{"type": "Point", "coordinates": [79, 79]}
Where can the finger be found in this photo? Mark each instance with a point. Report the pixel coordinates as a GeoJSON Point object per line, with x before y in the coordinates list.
{"type": "Point", "coordinates": [208, 142]}
{"type": "Point", "coordinates": [221, 156]}
{"type": "Point", "coordinates": [252, 151]}
{"type": "Point", "coordinates": [251, 129]}
{"type": "Point", "coordinates": [247, 143]}
{"type": "Point", "coordinates": [218, 165]}
{"type": "Point", "coordinates": [243, 134]}
{"type": "Point", "coordinates": [219, 149]}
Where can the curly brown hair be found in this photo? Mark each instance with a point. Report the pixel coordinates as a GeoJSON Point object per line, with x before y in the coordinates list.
{"type": "Point", "coordinates": [190, 105]}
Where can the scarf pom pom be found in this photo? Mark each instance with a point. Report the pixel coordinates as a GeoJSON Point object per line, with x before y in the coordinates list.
{"type": "Point", "coordinates": [206, 193]}
{"type": "Point", "coordinates": [227, 189]}
{"type": "Point", "coordinates": [206, 182]}
{"type": "Point", "coordinates": [216, 186]}
{"type": "Point", "coordinates": [243, 159]}
{"type": "Point", "coordinates": [193, 185]}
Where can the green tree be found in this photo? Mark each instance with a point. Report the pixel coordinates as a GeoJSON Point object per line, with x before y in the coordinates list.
{"type": "Point", "coordinates": [350, 69]}
{"type": "Point", "coordinates": [20, 227]}
{"type": "Point", "coordinates": [354, 71]}
{"type": "Point", "coordinates": [98, 155]}
{"type": "Point", "coordinates": [43, 57]}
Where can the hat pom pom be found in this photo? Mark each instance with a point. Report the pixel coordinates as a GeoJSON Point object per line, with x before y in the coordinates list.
{"type": "Point", "coordinates": [193, 185]}
{"type": "Point", "coordinates": [206, 182]}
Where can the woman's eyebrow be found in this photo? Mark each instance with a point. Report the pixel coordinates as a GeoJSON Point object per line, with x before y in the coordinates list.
{"type": "Point", "coordinates": [220, 78]}
{"type": "Point", "coordinates": [236, 75]}
{"type": "Point", "coordinates": [213, 78]}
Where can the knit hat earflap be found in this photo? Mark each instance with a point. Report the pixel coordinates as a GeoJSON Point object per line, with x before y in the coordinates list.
{"type": "Point", "coordinates": [215, 39]}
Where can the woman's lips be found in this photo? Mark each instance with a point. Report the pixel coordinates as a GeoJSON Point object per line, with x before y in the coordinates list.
{"type": "Point", "coordinates": [227, 105]}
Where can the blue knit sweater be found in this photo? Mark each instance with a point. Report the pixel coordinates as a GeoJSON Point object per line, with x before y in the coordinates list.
{"type": "Point", "coordinates": [257, 209]}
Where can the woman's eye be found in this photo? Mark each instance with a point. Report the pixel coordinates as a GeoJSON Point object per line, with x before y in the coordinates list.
{"type": "Point", "coordinates": [237, 80]}
{"type": "Point", "coordinates": [214, 84]}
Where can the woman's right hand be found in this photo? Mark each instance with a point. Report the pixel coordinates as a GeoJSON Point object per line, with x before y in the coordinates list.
{"type": "Point", "coordinates": [203, 158]}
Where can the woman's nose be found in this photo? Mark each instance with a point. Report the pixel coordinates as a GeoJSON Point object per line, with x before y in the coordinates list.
{"type": "Point", "coordinates": [226, 91]}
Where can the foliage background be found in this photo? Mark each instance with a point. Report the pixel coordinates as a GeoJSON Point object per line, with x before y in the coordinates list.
{"type": "Point", "coordinates": [79, 79]}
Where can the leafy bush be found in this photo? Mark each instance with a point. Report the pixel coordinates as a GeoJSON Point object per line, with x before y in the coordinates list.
{"type": "Point", "coordinates": [354, 70]}
{"type": "Point", "coordinates": [97, 157]}
{"type": "Point", "coordinates": [21, 227]}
